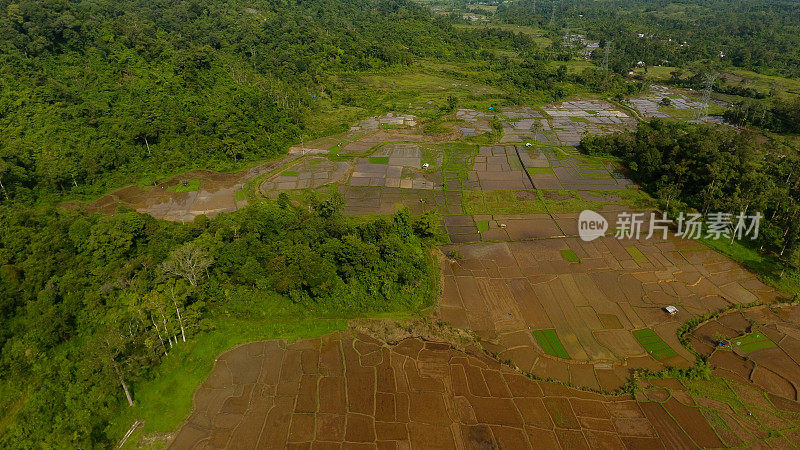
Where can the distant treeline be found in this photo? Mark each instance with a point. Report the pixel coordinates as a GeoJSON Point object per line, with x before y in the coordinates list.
{"type": "Point", "coordinates": [779, 115]}
{"type": "Point", "coordinates": [761, 35]}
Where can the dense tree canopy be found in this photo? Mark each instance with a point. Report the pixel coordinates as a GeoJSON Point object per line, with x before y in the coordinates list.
{"type": "Point", "coordinates": [714, 169]}
{"type": "Point", "coordinates": [97, 94]}
{"type": "Point", "coordinates": [89, 304]}
{"type": "Point", "coordinates": [761, 35]}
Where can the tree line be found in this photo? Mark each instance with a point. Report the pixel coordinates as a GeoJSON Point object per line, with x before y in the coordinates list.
{"type": "Point", "coordinates": [712, 168]}
{"type": "Point", "coordinates": [759, 35]}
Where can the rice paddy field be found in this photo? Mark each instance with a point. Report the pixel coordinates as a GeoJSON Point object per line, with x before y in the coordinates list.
{"type": "Point", "coordinates": [544, 332]}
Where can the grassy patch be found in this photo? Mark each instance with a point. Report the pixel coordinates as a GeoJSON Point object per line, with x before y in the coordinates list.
{"type": "Point", "coordinates": [290, 173]}
{"type": "Point", "coordinates": [483, 225]}
{"type": "Point", "coordinates": [653, 344]}
{"type": "Point", "coordinates": [714, 388]}
{"type": "Point", "coordinates": [579, 119]}
{"type": "Point", "coordinates": [430, 157]}
{"type": "Point", "coordinates": [539, 35]}
{"type": "Point", "coordinates": [239, 196]}
{"type": "Point", "coordinates": [784, 87]}
{"type": "Point", "coordinates": [457, 158]}
{"type": "Point", "coordinates": [570, 256]}
{"type": "Point", "coordinates": [500, 202]}
{"type": "Point", "coordinates": [379, 160]}
{"type": "Point", "coordinates": [763, 264]}
{"type": "Point", "coordinates": [490, 137]}
{"type": "Point", "coordinates": [540, 170]}
{"type": "Point", "coordinates": [191, 186]}
{"type": "Point", "coordinates": [752, 342]}
{"type": "Point", "coordinates": [656, 73]}
{"type": "Point", "coordinates": [570, 200]}
{"type": "Point", "coordinates": [549, 342]}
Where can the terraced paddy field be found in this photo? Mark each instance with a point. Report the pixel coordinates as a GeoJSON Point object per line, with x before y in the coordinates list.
{"type": "Point", "coordinates": [555, 320]}
{"type": "Point", "coordinates": [353, 390]}
{"type": "Point", "coordinates": [606, 305]}
{"type": "Point", "coordinates": [759, 346]}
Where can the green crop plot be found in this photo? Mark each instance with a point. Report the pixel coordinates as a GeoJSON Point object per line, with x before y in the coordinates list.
{"type": "Point", "coordinates": [653, 344]}
{"type": "Point", "coordinates": [540, 170]}
{"type": "Point", "coordinates": [636, 254]}
{"type": "Point", "coordinates": [379, 160]}
{"type": "Point", "coordinates": [752, 342]}
{"type": "Point", "coordinates": [290, 173]}
{"type": "Point", "coordinates": [570, 256]}
{"type": "Point", "coordinates": [240, 197]}
{"type": "Point", "coordinates": [483, 225]}
{"type": "Point", "coordinates": [549, 342]}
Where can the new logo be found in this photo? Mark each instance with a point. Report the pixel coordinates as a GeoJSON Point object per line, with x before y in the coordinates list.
{"type": "Point", "coordinates": [591, 225]}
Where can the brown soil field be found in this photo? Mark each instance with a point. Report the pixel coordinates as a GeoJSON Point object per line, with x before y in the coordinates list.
{"type": "Point", "coordinates": [217, 193]}
{"type": "Point", "coordinates": [350, 390]}
{"type": "Point", "coordinates": [775, 369]}
{"type": "Point", "coordinates": [505, 291]}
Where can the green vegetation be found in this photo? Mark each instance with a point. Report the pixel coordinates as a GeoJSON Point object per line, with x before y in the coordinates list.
{"type": "Point", "coordinates": [540, 170]}
{"type": "Point", "coordinates": [760, 35]}
{"type": "Point", "coordinates": [108, 319]}
{"type": "Point", "coordinates": [165, 399]}
{"type": "Point", "coordinates": [501, 202]}
{"type": "Point", "coordinates": [567, 200]}
{"type": "Point", "coordinates": [190, 186]}
{"type": "Point", "coordinates": [714, 388]}
{"type": "Point", "coordinates": [770, 267]}
{"type": "Point", "coordinates": [707, 168]}
{"type": "Point", "coordinates": [653, 344]}
{"type": "Point", "coordinates": [637, 255]}
{"type": "Point", "coordinates": [549, 342]}
{"type": "Point", "coordinates": [96, 95]}
{"type": "Point", "coordinates": [457, 159]}
{"type": "Point", "coordinates": [551, 200]}
{"type": "Point", "coordinates": [751, 342]}
{"type": "Point", "coordinates": [115, 296]}
{"type": "Point", "coordinates": [780, 116]}
{"type": "Point", "coordinates": [570, 256]}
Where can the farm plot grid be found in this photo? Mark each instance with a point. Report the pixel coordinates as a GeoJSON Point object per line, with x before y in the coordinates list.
{"type": "Point", "coordinates": [348, 390]}
{"type": "Point", "coordinates": [504, 291]}
{"type": "Point", "coordinates": [758, 346]}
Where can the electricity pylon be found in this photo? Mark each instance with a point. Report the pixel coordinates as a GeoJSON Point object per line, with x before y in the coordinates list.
{"type": "Point", "coordinates": [702, 110]}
